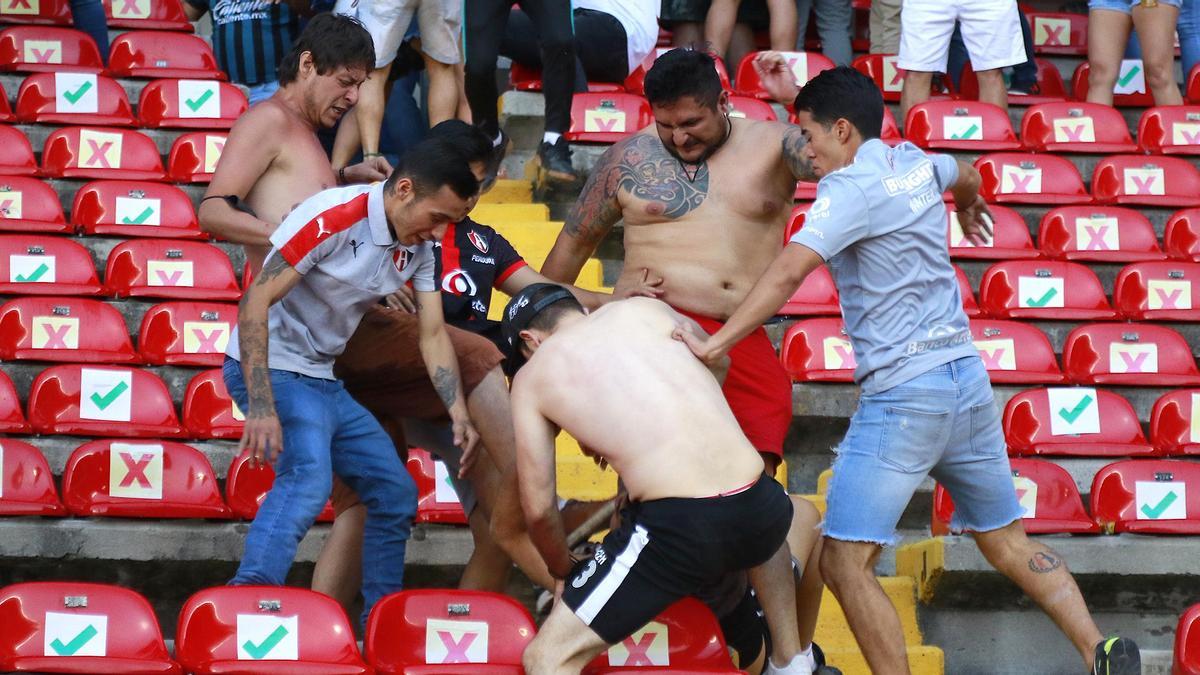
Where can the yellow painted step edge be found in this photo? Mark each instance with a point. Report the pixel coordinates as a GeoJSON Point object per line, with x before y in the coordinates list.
{"type": "Point", "coordinates": [924, 561]}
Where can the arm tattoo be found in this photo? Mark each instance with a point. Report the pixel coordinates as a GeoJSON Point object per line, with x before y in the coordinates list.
{"type": "Point", "coordinates": [445, 382]}
{"type": "Point", "coordinates": [794, 145]}
{"type": "Point", "coordinates": [596, 210]}
{"type": "Point", "coordinates": [1044, 562]}
{"type": "Point", "coordinates": [253, 339]}
{"type": "Point", "coordinates": [273, 268]}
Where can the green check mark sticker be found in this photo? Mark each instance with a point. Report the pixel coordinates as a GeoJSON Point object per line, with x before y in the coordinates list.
{"type": "Point", "coordinates": [1042, 301]}
{"type": "Point", "coordinates": [966, 134]}
{"type": "Point", "coordinates": [196, 103]}
{"type": "Point", "coordinates": [1071, 415]}
{"type": "Point", "coordinates": [141, 218]}
{"type": "Point", "coordinates": [260, 650]}
{"type": "Point", "coordinates": [34, 275]}
{"type": "Point", "coordinates": [74, 96]}
{"type": "Point", "coordinates": [1158, 509]}
{"type": "Point", "coordinates": [1128, 77]}
{"type": "Point", "coordinates": [113, 394]}
{"type": "Point", "coordinates": [76, 642]}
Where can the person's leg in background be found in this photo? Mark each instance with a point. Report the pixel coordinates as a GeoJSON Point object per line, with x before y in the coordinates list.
{"type": "Point", "coordinates": [804, 541]}
{"type": "Point", "coordinates": [957, 59]}
{"type": "Point", "coordinates": [483, 28]}
{"type": "Point", "coordinates": [1156, 32]}
{"type": "Point", "coordinates": [441, 26]}
{"type": "Point", "coordinates": [1108, 31]}
{"type": "Point", "coordinates": [1189, 35]}
{"type": "Point", "coordinates": [885, 26]}
{"type": "Point", "coordinates": [88, 16]}
{"type": "Point", "coordinates": [685, 20]}
{"type": "Point", "coordinates": [600, 46]}
{"type": "Point", "coordinates": [834, 21]}
{"type": "Point", "coordinates": [1025, 75]}
{"type": "Point", "coordinates": [992, 33]}
{"type": "Point", "coordinates": [557, 41]}
{"type": "Point", "coordinates": [803, 11]}
{"type": "Point", "coordinates": [924, 48]}
{"type": "Point", "coordinates": [718, 25]}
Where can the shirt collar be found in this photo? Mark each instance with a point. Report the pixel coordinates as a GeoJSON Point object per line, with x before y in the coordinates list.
{"type": "Point", "coordinates": [381, 232]}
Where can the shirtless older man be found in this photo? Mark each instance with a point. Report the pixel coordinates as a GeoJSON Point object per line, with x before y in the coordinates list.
{"type": "Point", "coordinates": [700, 505]}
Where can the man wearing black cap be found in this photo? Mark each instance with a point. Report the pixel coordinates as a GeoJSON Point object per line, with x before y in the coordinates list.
{"type": "Point", "coordinates": [700, 504]}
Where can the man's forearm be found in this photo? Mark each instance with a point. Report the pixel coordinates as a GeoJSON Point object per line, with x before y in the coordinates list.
{"type": "Point", "coordinates": [442, 365]}
{"type": "Point", "coordinates": [764, 301]}
{"type": "Point", "coordinates": [218, 218]}
{"type": "Point", "coordinates": [564, 262]}
{"type": "Point", "coordinates": [253, 340]}
{"type": "Point", "coordinates": [546, 533]}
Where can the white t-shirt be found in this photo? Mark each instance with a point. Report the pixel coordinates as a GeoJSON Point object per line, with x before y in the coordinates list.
{"type": "Point", "coordinates": [640, 19]}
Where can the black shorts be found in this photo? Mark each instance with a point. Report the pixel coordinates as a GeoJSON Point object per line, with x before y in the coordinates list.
{"type": "Point", "coordinates": [667, 549]}
{"type": "Point", "coordinates": [752, 12]}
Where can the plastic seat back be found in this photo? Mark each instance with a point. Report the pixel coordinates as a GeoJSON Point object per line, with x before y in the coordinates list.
{"type": "Point", "coordinates": [101, 401]}
{"type": "Point", "coordinates": [970, 306]}
{"type": "Point", "coordinates": [26, 484]}
{"type": "Point", "coordinates": [141, 479]}
{"type": "Point", "coordinates": [817, 295]}
{"type": "Point", "coordinates": [882, 69]}
{"type": "Point", "coordinates": [636, 82]}
{"type": "Point", "coordinates": [1059, 33]}
{"type": "Point", "coordinates": [1187, 643]}
{"type": "Point", "coordinates": [154, 54]}
{"type": "Point", "coordinates": [1192, 88]}
{"type": "Point", "coordinates": [1043, 289]}
{"type": "Point", "coordinates": [190, 104]}
{"type": "Point", "coordinates": [804, 67]}
{"type": "Point", "coordinates": [29, 205]}
{"type": "Point", "coordinates": [92, 152]}
{"type": "Point", "coordinates": [194, 157]}
{"type": "Point", "coordinates": [818, 350]}
{"type": "Point", "coordinates": [1075, 126]}
{"type": "Point", "coordinates": [1099, 234]}
{"type": "Point", "coordinates": [184, 270]}
{"type": "Point", "coordinates": [684, 637]}
{"type": "Point", "coordinates": [1015, 352]}
{"type": "Point", "coordinates": [1129, 91]}
{"type": "Point", "coordinates": [73, 98]}
{"type": "Point", "coordinates": [751, 108]}
{"type": "Point", "coordinates": [1181, 237]}
{"type": "Point", "coordinates": [524, 78]}
{"type": "Point", "coordinates": [12, 418]}
{"type": "Point", "coordinates": [44, 49]}
{"type": "Point", "coordinates": [607, 118]}
{"type": "Point", "coordinates": [135, 209]}
{"type": "Point", "coordinates": [437, 502]}
{"type": "Point", "coordinates": [960, 125]}
{"type": "Point", "coordinates": [246, 486]}
{"type": "Point", "coordinates": [36, 12]}
{"type": "Point", "coordinates": [1129, 354]}
{"type": "Point", "coordinates": [208, 410]}
{"type": "Point", "coordinates": [1044, 489]}
{"type": "Point", "coordinates": [266, 630]}
{"type": "Point", "coordinates": [1148, 496]}
{"type": "Point", "coordinates": [32, 264]}
{"type": "Point", "coordinates": [1073, 422]}
{"type": "Point", "coordinates": [449, 632]}
{"type": "Point", "coordinates": [1175, 422]}
{"type": "Point", "coordinates": [187, 333]}
{"type": "Point", "coordinates": [71, 330]}
{"type": "Point", "coordinates": [16, 154]}
{"type": "Point", "coordinates": [1170, 130]}
{"type": "Point", "coordinates": [147, 15]}
{"type": "Point", "coordinates": [1010, 238]}
{"type": "Point", "coordinates": [1010, 177]}
{"type": "Point", "coordinates": [1158, 291]}
{"type": "Point", "coordinates": [1149, 181]}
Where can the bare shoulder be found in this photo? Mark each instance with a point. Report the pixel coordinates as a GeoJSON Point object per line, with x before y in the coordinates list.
{"type": "Point", "coordinates": [265, 116]}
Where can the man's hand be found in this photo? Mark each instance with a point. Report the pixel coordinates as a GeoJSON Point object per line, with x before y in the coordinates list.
{"type": "Point", "coordinates": [648, 286]}
{"type": "Point", "coordinates": [467, 438]}
{"type": "Point", "coordinates": [709, 354]}
{"type": "Point", "coordinates": [262, 433]}
{"type": "Point", "coordinates": [776, 77]}
{"type": "Point", "coordinates": [372, 169]}
{"type": "Point", "coordinates": [976, 221]}
{"type": "Point", "coordinates": [404, 300]}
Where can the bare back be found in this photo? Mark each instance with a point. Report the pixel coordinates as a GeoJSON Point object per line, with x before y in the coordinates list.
{"type": "Point", "coordinates": [624, 388]}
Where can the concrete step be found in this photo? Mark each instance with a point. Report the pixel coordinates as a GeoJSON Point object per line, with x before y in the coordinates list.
{"type": "Point", "coordinates": [57, 449]}
{"type": "Point", "coordinates": [833, 632]}
{"type": "Point", "coordinates": [67, 187]}
{"type": "Point", "coordinates": [99, 247]}
{"type": "Point", "coordinates": [176, 378]}
{"type": "Point", "coordinates": [509, 191]}
{"type": "Point", "coordinates": [491, 214]}
{"type": "Point", "coordinates": [12, 85]}
{"type": "Point", "coordinates": [922, 660]}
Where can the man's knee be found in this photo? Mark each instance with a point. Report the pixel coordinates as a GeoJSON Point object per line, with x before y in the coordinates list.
{"type": "Point", "coordinates": [538, 658]}
{"type": "Point", "coordinates": [993, 77]}
{"type": "Point", "coordinates": [1005, 546]}
{"type": "Point", "coordinates": [842, 560]}
{"type": "Point", "coordinates": [391, 498]}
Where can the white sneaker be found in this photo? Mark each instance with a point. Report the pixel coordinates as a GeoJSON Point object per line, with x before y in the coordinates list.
{"type": "Point", "coordinates": [799, 666]}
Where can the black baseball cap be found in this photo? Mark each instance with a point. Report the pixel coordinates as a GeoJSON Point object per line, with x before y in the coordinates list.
{"type": "Point", "coordinates": [521, 309]}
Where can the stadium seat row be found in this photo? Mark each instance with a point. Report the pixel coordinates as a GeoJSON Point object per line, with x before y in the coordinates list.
{"type": "Point", "coordinates": [112, 208]}
{"type": "Point", "coordinates": [106, 152]}
{"type": "Point", "coordinates": [135, 14]}
{"type": "Point", "coordinates": [143, 54]}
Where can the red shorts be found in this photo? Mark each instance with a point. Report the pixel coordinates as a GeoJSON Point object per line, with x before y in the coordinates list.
{"type": "Point", "coordinates": [757, 388]}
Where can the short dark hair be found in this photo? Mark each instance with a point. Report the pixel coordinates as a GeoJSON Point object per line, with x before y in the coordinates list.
{"type": "Point", "coordinates": [843, 92]}
{"type": "Point", "coordinates": [470, 141]}
{"type": "Point", "coordinates": [683, 72]}
{"type": "Point", "coordinates": [334, 41]}
{"type": "Point", "coordinates": [432, 163]}
{"type": "Point", "coordinates": [549, 317]}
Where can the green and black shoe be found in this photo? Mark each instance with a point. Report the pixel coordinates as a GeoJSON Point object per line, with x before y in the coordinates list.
{"type": "Point", "coordinates": [1117, 656]}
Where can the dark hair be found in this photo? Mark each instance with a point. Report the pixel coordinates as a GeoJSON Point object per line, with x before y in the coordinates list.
{"type": "Point", "coordinates": [683, 72]}
{"type": "Point", "coordinates": [469, 140]}
{"type": "Point", "coordinates": [843, 92]}
{"type": "Point", "coordinates": [548, 318]}
{"type": "Point", "coordinates": [333, 40]}
{"type": "Point", "coordinates": [432, 163]}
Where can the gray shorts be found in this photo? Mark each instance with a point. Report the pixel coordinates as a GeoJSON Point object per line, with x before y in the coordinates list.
{"type": "Point", "coordinates": [438, 438]}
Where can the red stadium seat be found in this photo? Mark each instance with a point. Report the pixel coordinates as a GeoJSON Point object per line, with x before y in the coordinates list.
{"type": "Point", "coordinates": [246, 487]}
{"type": "Point", "coordinates": [190, 104]}
{"type": "Point", "coordinates": [101, 401]}
{"type": "Point", "coordinates": [1044, 489]}
{"type": "Point", "coordinates": [153, 54]}
{"type": "Point", "coordinates": [1073, 422]}
{"type": "Point", "coordinates": [30, 205]}
{"type": "Point", "coordinates": [1009, 241]}
{"type": "Point", "coordinates": [135, 209]}
{"type": "Point", "coordinates": [1015, 352]}
{"type": "Point", "coordinates": [437, 502]}
{"type": "Point", "coordinates": [141, 479]}
{"type": "Point", "coordinates": [960, 125]}
{"type": "Point", "coordinates": [208, 410]}
{"type": "Point", "coordinates": [147, 15]}
{"type": "Point", "coordinates": [187, 333]}
{"type": "Point", "coordinates": [1132, 94]}
{"type": "Point", "coordinates": [1187, 643]}
{"type": "Point", "coordinates": [684, 638]}
{"type": "Point", "coordinates": [1149, 181]}
{"type": "Point", "coordinates": [804, 66]}
{"type": "Point", "coordinates": [282, 630]}
{"type": "Point", "coordinates": [816, 295]}
{"type": "Point", "coordinates": [76, 627]}
{"type": "Point", "coordinates": [1170, 130]}
{"type": "Point", "coordinates": [194, 157]}
{"type": "Point", "coordinates": [607, 118]}
{"type": "Point", "coordinates": [882, 69]}
{"type": "Point", "coordinates": [1075, 127]}
{"type": "Point", "coordinates": [524, 78]}
{"type": "Point", "coordinates": [1050, 87]}
{"type": "Point", "coordinates": [16, 154]}
{"type": "Point", "coordinates": [6, 113]}
{"type": "Point", "coordinates": [1129, 354]}
{"type": "Point", "coordinates": [451, 632]}
{"type": "Point", "coordinates": [42, 49]}
{"type": "Point", "coordinates": [970, 306]}
{"type": "Point", "coordinates": [1043, 289]}
{"type": "Point", "coordinates": [182, 270]}
{"type": "Point", "coordinates": [1181, 238]}
{"type": "Point", "coordinates": [89, 152]}
{"type": "Point", "coordinates": [26, 484]}
{"type": "Point", "coordinates": [1059, 33]}
{"type": "Point", "coordinates": [1192, 89]}
{"type": "Point", "coordinates": [73, 98]}
{"type": "Point", "coordinates": [1148, 496]}
{"type": "Point", "coordinates": [891, 131]}
{"type": "Point", "coordinates": [1020, 178]}
{"type": "Point", "coordinates": [71, 330]}
{"type": "Point", "coordinates": [635, 83]}
{"type": "Point", "coordinates": [751, 108]}
{"type": "Point", "coordinates": [1099, 234]}
{"type": "Point", "coordinates": [37, 12]}
{"type": "Point", "coordinates": [1175, 422]}
{"type": "Point", "coordinates": [34, 264]}
{"type": "Point", "coordinates": [1158, 291]}
{"type": "Point", "coordinates": [818, 350]}
{"type": "Point", "coordinates": [12, 419]}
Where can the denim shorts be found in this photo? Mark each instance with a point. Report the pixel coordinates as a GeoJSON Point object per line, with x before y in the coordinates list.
{"type": "Point", "coordinates": [1125, 6]}
{"type": "Point", "coordinates": [943, 423]}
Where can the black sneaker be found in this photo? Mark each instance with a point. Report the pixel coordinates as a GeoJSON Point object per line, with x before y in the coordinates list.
{"type": "Point", "coordinates": [1117, 656]}
{"type": "Point", "coordinates": [493, 165]}
{"type": "Point", "coordinates": [556, 161]}
{"type": "Point", "coordinates": [822, 668]}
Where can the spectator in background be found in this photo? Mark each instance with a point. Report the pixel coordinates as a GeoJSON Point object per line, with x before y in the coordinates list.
{"type": "Point", "coordinates": [1189, 35]}
{"type": "Point", "coordinates": [249, 39]}
{"type": "Point", "coordinates": [1109, 22]}
{"type": "Point", "coordinates": [1024, 80]}
{"type": "Point", "coordinates": [833, 25]}
{"type": "Point", "coordinates": [483, 32]}
{"type": "Point", "coordinates": [885, 26]}
{"type": "Point", "coordinates": [722, 15]}
{"type": "Point", "coordinates": [685, 20]}
{"type": "Point", "coordinates": [88, 16]}
{"type": "Point", "coordinates": [990, 29]}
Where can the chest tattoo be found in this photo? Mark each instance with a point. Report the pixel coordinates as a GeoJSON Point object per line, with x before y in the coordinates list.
{"type": "Point", "coordinates": [652, 174]}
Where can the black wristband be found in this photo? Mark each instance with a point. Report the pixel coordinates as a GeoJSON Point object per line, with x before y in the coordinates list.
{"type": "Point", "coordinates": [342, 175]}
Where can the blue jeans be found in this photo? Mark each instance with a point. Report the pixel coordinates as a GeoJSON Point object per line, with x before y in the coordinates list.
{"type": "Point", "coordinates": [942, 423]}
{"type": "Point", "coordinates": [88, 16]}
{"type": "Point", "coordinates": [325, 431]}
{"type": "Point", "coordinates": [1189, 35]}
{"type": "Point", "coordinates": [262, 92]}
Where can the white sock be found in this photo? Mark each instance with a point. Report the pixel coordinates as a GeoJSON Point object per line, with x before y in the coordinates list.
{"type": "Point", "coordinates": [812, 660]}
{"type": "Point", "coordinates": [551, 137]}
{"type": "Point", "coordinates": [498, 140]}
{"type": "Point", "coordinates": [798, 666]}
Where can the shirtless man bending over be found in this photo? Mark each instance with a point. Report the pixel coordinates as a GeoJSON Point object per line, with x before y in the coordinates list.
{"type": "Point", "coordinates": [700, 505]}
